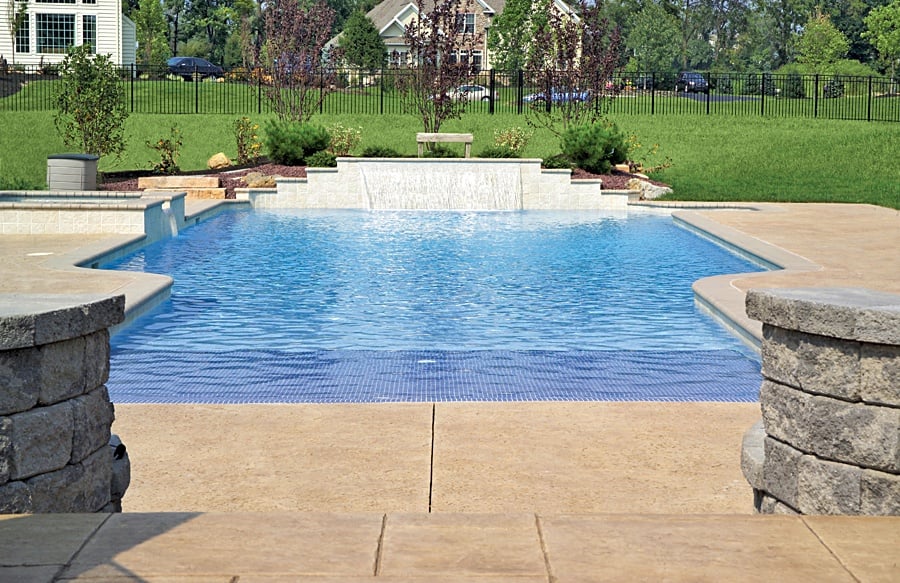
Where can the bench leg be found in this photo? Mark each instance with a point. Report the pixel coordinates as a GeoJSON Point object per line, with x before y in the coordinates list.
{"type": "Point", "coordinates": [468, 150]}
{"type": "Point", "coordinates": [421, 146]}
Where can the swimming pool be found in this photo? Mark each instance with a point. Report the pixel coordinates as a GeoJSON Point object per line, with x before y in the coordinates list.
{"type": "Point", "coordinates": [298, 305]}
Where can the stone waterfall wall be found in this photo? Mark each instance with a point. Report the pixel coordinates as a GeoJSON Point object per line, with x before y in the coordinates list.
{"type": "Point", "coordinates": [56, 450]}
{"type": "Point", "coordinates": [829, 439]}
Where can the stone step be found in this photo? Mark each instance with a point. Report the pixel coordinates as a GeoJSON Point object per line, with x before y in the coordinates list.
{"type": "Point", "coordinates": [195, 193]}
{"type": "Point", "coordinates": [178, 182]}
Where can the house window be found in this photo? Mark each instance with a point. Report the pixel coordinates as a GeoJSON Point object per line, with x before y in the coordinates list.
{"type": "Point", "coordinates": [55, 1]}
{"type": "Point", "coordinates": [88, 1]}
{"type": "Point", "coordinates": [55, 33]}
{"type": "Point", "coordinates": [399, 58]}
{"type": "Point", "coordinates": [472, 59]}
{"type": "Point", "coordinates": [23, 36]}
{"type": "Point", "coordinates": [465, 23]}
{"type": "Point", "coordinates": [89, 31]}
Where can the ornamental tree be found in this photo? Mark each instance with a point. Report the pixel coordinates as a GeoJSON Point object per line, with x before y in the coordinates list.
{"type": "Point", "coordinates": [302, 75]}
{"type": "Point", "coordinates": [438, 51]}
{"type": "Point", "coordinates": [90, 103]}
{"type": "Point", "coordinates": [573, 54]}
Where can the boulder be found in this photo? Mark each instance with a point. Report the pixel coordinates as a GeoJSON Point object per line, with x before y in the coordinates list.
{"type": "Point", "coordinates": [648, 190]}
{"type": "Point", "coordinates": [217, 161]}
{"type": "Point", "coordinates": [259, 180]}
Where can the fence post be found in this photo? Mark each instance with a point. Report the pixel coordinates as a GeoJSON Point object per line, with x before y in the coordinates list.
{"type": "Point", "coordinates": [491, 93]}
{"type": "Point", "coordinates": [652, 93]}
{"type": "Point", "coordinates": [196, 80]}
{"type": "Point", "coordinates": [762, 93]}
{"type": "Point", "coordinates": [816, 96]}
{"type": "Point", "coordinates": [133, 75]}
{"type": "Point", "coordinates": [520, 85]}
{"type": "Point", "coordinates": [259, 93]}
{"type": "Point", "coordinates": [381, 91]}
{"type": "Point", "coordinates": [321, 91]}
{"type": "Point", "coordinates": [708, 90]}
{"type": "Point", "coordinates": [869, 101]}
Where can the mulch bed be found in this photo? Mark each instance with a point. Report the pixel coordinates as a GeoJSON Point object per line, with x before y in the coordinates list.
{"type": "Point", "coordinates": [230, 178]}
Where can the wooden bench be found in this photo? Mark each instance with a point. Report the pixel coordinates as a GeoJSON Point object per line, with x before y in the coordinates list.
{"type": "Point", "coordinates": [425, 138]}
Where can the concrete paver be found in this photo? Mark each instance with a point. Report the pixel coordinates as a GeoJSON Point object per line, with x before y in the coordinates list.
{"type": "Point", "coordinates": [869, 548]}
{"type": "Point", "coordinates": [45, 539]}
{"type": "Point", "coordinates": [425, 545]}
{"type": "Point", "coordinates": [182, 544]}
{"type": "Point", "coordinates": [687, 548]}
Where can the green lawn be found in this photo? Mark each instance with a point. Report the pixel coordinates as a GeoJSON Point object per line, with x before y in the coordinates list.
{"type": "Point", "coordinates": [721, 158]}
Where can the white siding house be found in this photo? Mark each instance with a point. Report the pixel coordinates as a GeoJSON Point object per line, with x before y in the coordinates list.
{"type": "Point", "coordinates": [54, 25]}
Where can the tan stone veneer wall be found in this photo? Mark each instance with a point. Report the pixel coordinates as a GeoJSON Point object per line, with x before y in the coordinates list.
{"type": "Point", "coordinates": [56, 450]}
{"type": "Point", "coordinates": [829, 439]}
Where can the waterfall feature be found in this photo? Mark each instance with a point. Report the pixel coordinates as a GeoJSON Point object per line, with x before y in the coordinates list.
{"type": "Point", "coordinates": [169, 218]}
{"type": "Point", "coordinates": [441, 185]}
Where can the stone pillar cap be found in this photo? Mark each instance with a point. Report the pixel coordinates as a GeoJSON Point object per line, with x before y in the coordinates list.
{"type": "Point", "coordinates": [849, 313]}
{"type": "Point", "coordinates": [36, 319]}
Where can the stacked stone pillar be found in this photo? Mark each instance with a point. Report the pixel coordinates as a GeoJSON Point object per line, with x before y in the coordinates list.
{"type": "Point", "coordinates": [829, 440]}
{"type": "Point", "coordinates": [56, 453]}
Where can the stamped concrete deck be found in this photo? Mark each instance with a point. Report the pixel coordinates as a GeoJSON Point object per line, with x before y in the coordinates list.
{"type": "Point", "coordinates": [462, 491]}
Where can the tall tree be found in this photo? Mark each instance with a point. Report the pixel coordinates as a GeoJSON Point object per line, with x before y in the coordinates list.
{"type": "Point", "coordinates": [362, 45]}
{"type": "Point", "coordinates": [653, 41]}
{"type": "Point", "coordinates": [437, 46]}
{"type": "Point", "coordinates": [883, 31]}
{"type": "Point", "coordinates": [510, 35]}
{"type": "Point", "coordinates": [294, 52]}
{"type": "Point", "coordinates": [821, 44]}
{"type": "Point", "coordinates": [151, 32]}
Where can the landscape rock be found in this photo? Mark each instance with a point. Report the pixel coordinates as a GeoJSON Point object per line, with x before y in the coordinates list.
{"type": "Point", "coordinates": [217, 161]}
{"type": "Point", "coordinates": [259, 180]}
{"type": "Point", "coordinates": [648, 190]}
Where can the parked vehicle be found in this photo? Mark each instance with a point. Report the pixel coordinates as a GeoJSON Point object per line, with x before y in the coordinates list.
{"type": "Point", "coordinates": [190, 67]}
{"type": "Point", "coordinates": [691, 82]}
{"type": "Point", "coordinates": [558, 96]}
{"type": "Point", "coordinates": [472, 93]}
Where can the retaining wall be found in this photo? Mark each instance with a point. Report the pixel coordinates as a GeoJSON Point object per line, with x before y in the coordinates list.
{"type": "Point", "coordinates": [56, 450]}
{"type": "Point", "coordinates": [436, 184]}
{"type": "Point", "coordinates": [829, 438]}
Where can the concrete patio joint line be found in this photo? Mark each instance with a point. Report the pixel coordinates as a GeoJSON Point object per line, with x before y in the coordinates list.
{"type": "Point", "coordinates": [830, 550]}
{"type": "Point", "coordinates": [431, 463]}
{"type": "Point", "coordinates": [379, 549]}
{"type": "Point", "coordinates": [80, 548]}
{"type": "Point", "coordinates": [540, 532]}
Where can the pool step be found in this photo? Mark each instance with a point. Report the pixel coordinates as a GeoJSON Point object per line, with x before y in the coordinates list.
{"type": "Point", "coordinates": [204, 187]}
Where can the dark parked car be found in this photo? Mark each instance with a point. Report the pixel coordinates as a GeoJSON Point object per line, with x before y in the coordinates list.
{"type": "Point", "coordinates": [558, 96]}
{"type": "Point", "coordinates": [189, 67]}
{"type": "Point", "coordinates": [690, 82]}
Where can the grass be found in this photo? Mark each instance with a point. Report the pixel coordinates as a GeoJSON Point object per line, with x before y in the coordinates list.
{"type": "Point", "coordinates": [715, 158]}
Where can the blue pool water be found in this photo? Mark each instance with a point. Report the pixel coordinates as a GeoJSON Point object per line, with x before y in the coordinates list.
{"type": "Point", "coordinates": [337, 306]}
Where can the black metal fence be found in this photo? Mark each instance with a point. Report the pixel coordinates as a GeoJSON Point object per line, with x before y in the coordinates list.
{"type": "Point", "coordinates": [243, 92]}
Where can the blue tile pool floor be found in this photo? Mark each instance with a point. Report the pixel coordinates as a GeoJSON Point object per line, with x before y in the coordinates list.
{"type": "Point", "coordinates": [341, 376]}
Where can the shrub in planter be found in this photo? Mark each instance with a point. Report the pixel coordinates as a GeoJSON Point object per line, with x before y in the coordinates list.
{"type": "Point", "coordinates": [498, 152]}
{"type": "Point", "coordinates": [596, 147]}
{"type": "Point", "coordinates": [322, 159]}
{"type": "Point", "coordinates": [380, 152]}
{"type": "Point", "coordinates": [290, 143]}
{"type": "Point", "coordinates": [557, 161]}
